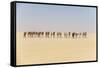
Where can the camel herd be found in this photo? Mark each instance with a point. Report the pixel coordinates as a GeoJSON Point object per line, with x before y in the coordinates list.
{"type": "Point", "coordinates": [55, 34]}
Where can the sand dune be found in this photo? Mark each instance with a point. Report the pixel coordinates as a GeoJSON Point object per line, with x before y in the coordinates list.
{"type": "Point", "coordinates": [53, 50]}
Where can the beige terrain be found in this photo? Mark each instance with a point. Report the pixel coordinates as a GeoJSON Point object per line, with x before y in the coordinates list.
{"type": "Point", "coordinates": [54, 50]}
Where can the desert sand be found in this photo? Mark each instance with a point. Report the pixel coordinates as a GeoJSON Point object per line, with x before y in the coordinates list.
{"type": "Point", "coordinates": [54, 50]}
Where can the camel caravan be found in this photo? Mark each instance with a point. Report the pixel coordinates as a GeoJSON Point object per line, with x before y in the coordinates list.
{"type": "Point", "coordinates": [55, 34]}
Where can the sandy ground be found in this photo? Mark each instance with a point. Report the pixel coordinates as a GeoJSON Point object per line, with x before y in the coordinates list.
{"type": "Point", "coordinates": [54, 50]}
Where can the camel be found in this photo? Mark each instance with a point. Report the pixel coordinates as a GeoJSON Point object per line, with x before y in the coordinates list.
{"type": "Point", "coordinates": [69, 34]}
{"type": "Point", "coordinates": [30, 34]}
{"type": "Point", "coordinates": [79, 35]}
{"type": "Point", "coordinates": [39, 34]}
{"type": "Point", "coordinates": [84, 34]}
{"type": "Point", "coordinates": [76, 34]}
{"type": "Point", "coordinates": [73, 35]}
{"type": "Point", "coordinates": [59, 34]}
{"type": "Point", "coordinates": [47, 34]}
{"type": "Point", "coordinates": [25, 34]}
{"type": "Point", "coordinates": [53, 34]}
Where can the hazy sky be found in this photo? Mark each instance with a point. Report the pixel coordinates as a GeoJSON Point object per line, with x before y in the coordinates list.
{"type": "Point", "coordinates": [38, 17]}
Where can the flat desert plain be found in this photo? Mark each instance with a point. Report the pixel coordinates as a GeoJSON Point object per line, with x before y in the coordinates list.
{"type": "Point", "coordinates": [54, 50]}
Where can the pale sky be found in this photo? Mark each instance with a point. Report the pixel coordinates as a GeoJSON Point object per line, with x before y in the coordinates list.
{"type": "Point", "coordinates": [38, 17]}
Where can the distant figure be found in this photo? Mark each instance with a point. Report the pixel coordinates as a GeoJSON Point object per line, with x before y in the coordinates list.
{"type": "Point", "coordinates": [25, 34]}
{"type": "Point", "coordinates": [76, 34]}
{"type": "Point", "coordinates": [84, 34]}
{"type": "Point", "coordinates": [69, 34]}
{"type": "Point", "coordinates": [53, 34]}
{"type": "Point", "coordinates": [39, 34]}
{"type": "Point", "coordinates": [47, 34]}
{"type": "Point", "coordinates": [73, 35]}
{"type": "Point", "coordinates": [59, 34]}
{"type": "Point", "coordinates": [79, 35]}
{"type": "Point", "coordinates": [31, 34]}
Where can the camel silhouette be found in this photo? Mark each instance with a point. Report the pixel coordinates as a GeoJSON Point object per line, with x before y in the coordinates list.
{"type": "Point", "coordinates": [69, 34]}
{"type": "Point", "coordinates": [80, 35]}
{"type": "Point", "coordinates": [25, 34]}
{"type": "Point", "coordinates": [47, 34]}
{"type": "Point", "coordinates": [59, 34]}
{"type": "Point", "coordinates": [73, 35]}
{"type": "Point", "coordinates": [39, 34]}
{"type": "Point", "coordinates": [84, 34]}
{"type": "Point", "coordinates": [52, 34]}
{"type": "Point", "coordinates": [76, 34]}
{"type": "Point", "coordinates": [56, 34]}
{"type": "Point", "coordinates": [30, 34]}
